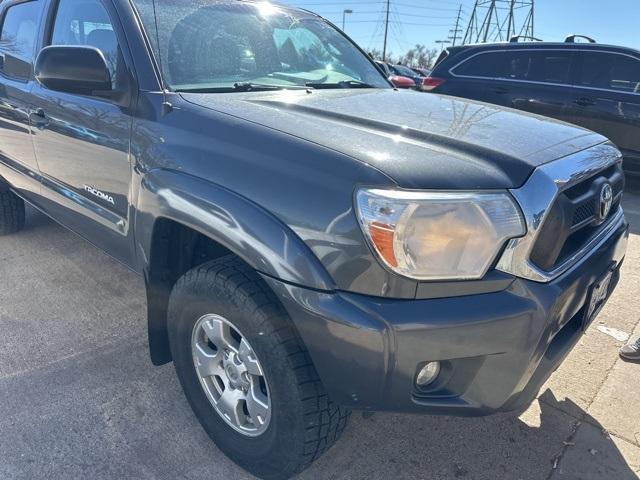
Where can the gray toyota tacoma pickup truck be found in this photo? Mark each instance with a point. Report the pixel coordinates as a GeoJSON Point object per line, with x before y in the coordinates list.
{"type": "Point", "coordinates": [312, 240]}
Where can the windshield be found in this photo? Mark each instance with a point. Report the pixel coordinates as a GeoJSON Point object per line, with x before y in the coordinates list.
{"type": "Point", "coordinates": [224, 46]}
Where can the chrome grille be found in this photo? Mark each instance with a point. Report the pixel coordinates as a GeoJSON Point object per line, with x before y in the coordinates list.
{"type": "Point", "coordinates": [584, 212]}
{"type": "Point", "coordinates": [562, 216]}
{"type": "Point", "coordinates": [574, 218]}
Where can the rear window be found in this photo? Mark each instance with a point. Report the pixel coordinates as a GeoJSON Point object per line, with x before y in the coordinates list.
{"type": "Point", "coordinates": [402, 70]}
{"type": "Point", "coordinates": [443, 54]}
{"type": "Point", "coordinates": [610, 71]}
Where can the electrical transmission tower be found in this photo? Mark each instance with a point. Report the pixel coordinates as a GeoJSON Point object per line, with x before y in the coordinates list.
{"type": "Point", "coordinates": [499, 20]}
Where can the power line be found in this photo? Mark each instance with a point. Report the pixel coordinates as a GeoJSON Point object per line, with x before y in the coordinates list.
{"type": "Point", "coordinates": [365, 12]}
{"type": "Point", "coordinates": [403, 23]}
{"type": "Point", "coordinates": [408, 5]}
{"type": "Point", "coordinates": [352, 2]}
{"type": "Point", "coordinates": [393, 16]}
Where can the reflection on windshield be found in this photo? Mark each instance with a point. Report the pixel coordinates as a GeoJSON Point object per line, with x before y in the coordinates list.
{"type": "Point", "coordinates": [212, 46]}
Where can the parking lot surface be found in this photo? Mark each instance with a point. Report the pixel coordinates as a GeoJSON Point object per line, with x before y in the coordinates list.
{"type": "Point", "coordinates": [80, 398]}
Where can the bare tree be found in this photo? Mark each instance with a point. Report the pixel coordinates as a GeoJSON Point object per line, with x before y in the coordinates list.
{"type": "Point", "coordinates": [418, 56]}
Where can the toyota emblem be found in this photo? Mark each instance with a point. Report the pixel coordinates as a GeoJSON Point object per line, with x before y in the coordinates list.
{"type": "Point", "coordinates": [606, 199]}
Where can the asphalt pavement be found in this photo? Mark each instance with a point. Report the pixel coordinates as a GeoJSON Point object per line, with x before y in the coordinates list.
{"type": "Point", "coordinates": [79, 398]}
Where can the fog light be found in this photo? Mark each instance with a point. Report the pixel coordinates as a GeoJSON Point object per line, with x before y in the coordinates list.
{"type": "Point", "coordinates": [428, 373]}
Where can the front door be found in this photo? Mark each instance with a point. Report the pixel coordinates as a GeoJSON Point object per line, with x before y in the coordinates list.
{"type": "Point", "coordinates": [81, 142]}
{"type": "Point", "coordinates": [606, 99]}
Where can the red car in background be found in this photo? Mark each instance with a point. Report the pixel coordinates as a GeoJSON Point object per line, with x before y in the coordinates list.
{"type": "Point", "coordinates": [398, 81]}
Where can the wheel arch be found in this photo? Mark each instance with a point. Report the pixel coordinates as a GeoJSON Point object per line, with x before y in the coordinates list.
{"type": "Point", "coordinates": [182, 221]}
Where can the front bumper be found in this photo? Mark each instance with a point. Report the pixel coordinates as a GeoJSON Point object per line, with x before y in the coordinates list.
{"type": "Point", "coordinates": [496, 349]}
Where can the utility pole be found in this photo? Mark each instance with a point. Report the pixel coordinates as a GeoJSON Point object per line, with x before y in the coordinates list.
{"type": "Point", "coordinates": [456, 30]}
{"type": "Point", "coordinates": [442, 43]}
{"type": "Point", "coordinates": [386, 31]}
{"type": "Point", "coordinates": [345, 12]}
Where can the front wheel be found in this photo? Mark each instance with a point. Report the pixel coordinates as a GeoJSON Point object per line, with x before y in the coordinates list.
{"type": "Point", "coordinates": [246, 373]}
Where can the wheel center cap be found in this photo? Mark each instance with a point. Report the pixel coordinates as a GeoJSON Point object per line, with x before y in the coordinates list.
{"type": "Point", "coordinates": [232, 372]}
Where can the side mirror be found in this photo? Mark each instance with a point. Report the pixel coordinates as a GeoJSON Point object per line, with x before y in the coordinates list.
{"type": "Point", "coordinates": [73, 69]}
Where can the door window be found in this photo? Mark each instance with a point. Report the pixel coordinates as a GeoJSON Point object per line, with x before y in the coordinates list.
{"type": "Point", "coordinates": [610, 71]}
{"type": "Point", "coordinates": [86, 22]}
{"type": "Point", "coordinates": [18, 39]}
{"type": "Point", "coordinates": [546, 66]}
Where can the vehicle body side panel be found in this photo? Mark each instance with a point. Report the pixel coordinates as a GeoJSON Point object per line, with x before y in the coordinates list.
{"type": "Point", "coordinates": [615, 115]}
{"type": "Point", "coordinates": [82, 148]}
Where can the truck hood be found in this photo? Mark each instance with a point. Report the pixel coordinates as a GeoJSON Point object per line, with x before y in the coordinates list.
{"type": "Point", "coordinates": [419, 140]}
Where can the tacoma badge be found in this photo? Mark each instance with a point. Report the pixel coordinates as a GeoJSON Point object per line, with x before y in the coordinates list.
{"type": "Point", "coordinates": [99, 194]}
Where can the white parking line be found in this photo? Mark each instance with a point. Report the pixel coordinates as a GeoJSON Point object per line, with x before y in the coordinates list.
{"type": "Point", "coordinates": [613, 332]}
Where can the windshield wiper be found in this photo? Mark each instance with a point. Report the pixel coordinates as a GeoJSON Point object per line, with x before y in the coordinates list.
{"type": "Point", "coordinates": [242, 87]}
{"type": "Point", "coordinates": [341, 84]}
{"type": "Point", "coordinates": [249, 86]}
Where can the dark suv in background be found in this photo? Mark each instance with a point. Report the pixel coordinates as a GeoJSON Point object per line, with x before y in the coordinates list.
{"type": "Point", "coordinates": [591, 85]}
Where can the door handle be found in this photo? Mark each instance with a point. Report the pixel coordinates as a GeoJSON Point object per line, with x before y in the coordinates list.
{"type": "Point", "coordinates": [39, 118]}
{"type": "Point", "coordinates": [501, 90]}
{"type": "Point", "coordinates": [584, 102]}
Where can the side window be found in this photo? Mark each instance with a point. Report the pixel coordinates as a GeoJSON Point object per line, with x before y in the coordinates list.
{"type": "Point", "coordinates": [610, 71]}
{"type": "Point", "coordinates": [539, 66]}
{"type": "Point", "coordinates": [492, 64]}
{"type": "Point", "coordinates": [518, 65]}
{"type": "Point", "coordinates": [86, 22]}
{"type": "Point", "coordinates": [18, 39]}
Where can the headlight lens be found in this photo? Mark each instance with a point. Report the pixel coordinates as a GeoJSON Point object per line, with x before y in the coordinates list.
{"type": "Point", "coordinates": [438, 235]}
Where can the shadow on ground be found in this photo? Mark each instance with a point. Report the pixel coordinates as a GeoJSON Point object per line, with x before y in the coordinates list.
{"type": "Point", "coordinates": [542, 443]}
{"type": "Point", "coordinates": [631, 204]}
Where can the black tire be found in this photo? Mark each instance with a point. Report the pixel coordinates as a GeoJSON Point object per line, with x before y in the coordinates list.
{"type": "Point", "coordinates": [304, 422]}
{"type": "Point", "coordinates": [11, 212]}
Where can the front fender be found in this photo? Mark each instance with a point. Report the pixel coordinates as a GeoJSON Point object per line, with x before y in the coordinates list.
{"type": "Point", "coordinates": [243, 227]}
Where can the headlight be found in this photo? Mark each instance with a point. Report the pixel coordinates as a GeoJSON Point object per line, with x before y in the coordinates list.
{"type": "Point", "coordinates": [433, 235]}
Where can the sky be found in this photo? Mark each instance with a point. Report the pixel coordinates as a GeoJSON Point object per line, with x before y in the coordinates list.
{"type": "Point", "coordinates": [426, 21]}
